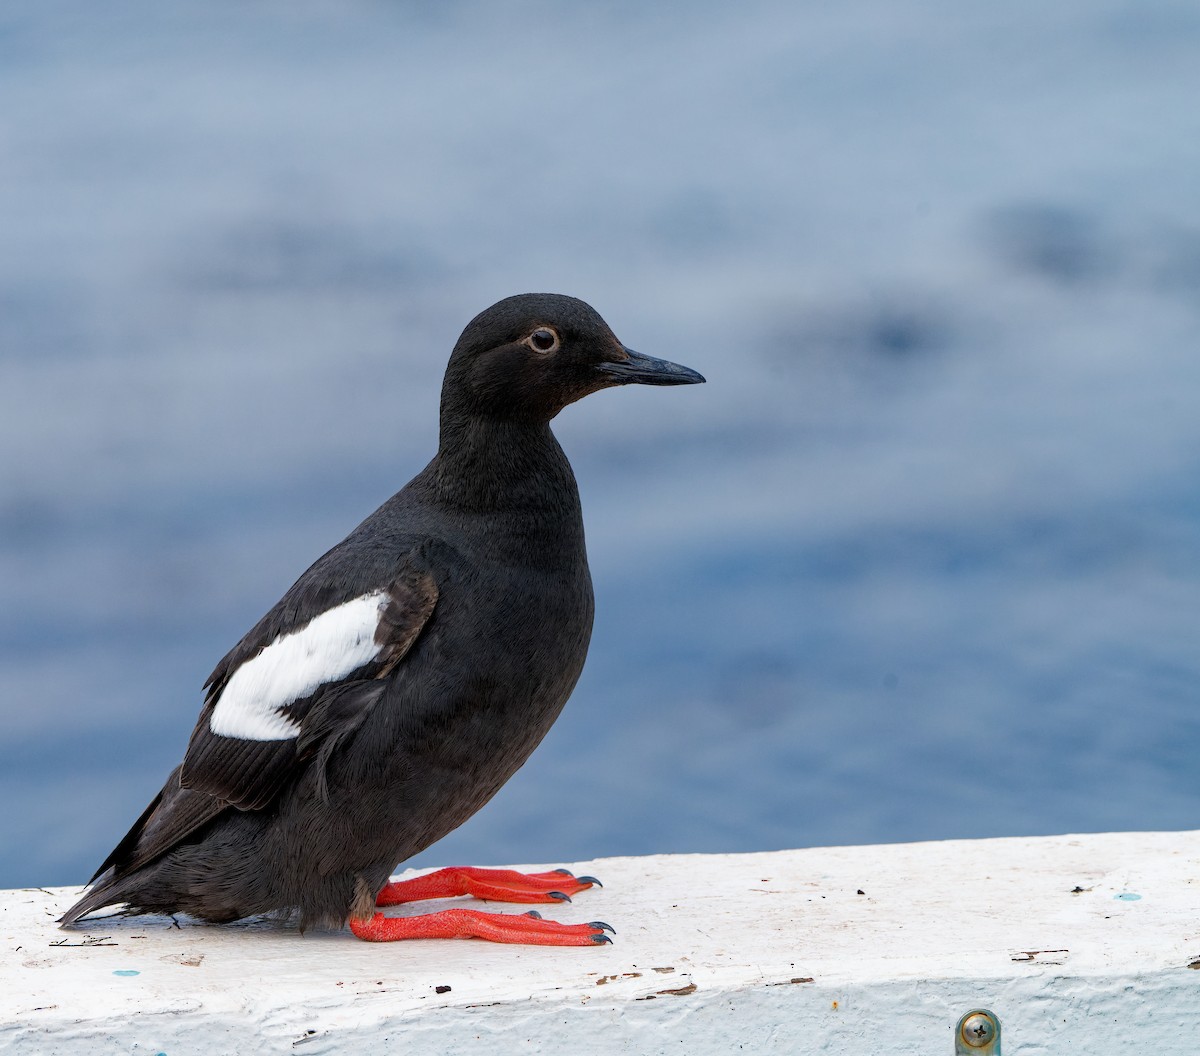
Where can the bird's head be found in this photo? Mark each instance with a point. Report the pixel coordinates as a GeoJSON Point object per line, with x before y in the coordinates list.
{"type": "Point", "coordinates": [527, 357]}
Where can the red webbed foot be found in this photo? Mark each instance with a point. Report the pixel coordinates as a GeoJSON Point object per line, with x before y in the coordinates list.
{"type": "Point", "coordinates": [526, 928]}
{"type": "Point", "coordinates": [498, 885]}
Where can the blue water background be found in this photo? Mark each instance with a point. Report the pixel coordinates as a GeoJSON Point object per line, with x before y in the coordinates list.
{"type": "Point", "coordinates": [920, 561]}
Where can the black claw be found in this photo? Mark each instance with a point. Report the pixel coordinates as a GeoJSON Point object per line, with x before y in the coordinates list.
{"type": "Point", "coordinates": [535, 914]}
{"type": "Point", "coordinates": [564, 872]}
{"type": "Point", "coordinates": [559, 895]}
{"type": "Point", "coordinates": [600, 924]}
{"type": "Point", "coordinates": [589, 880]}
{"type": "Point", "coordinates": [599, 940]}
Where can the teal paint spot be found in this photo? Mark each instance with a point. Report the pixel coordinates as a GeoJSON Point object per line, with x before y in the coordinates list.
{"type": "Point", "coordinates": [1127, 896]}
{"type": "Point", "coordinates": [127, 971]}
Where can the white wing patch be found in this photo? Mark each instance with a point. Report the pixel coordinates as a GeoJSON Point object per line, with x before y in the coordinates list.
{"type": "Point", "coordinates": [291, 667]}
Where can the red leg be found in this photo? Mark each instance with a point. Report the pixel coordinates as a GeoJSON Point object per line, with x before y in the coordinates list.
{"type": "Point", "coordinates": [499, 885]}
{"type": "Point", "coordinates": [526, 928]}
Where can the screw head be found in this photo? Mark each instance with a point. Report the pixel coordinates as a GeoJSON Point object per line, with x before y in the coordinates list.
{"type": "Point", "coordinates": [978, 1030]}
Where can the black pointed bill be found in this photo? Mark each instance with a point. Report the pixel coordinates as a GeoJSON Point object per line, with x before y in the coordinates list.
{"type": "Point", "coordinates": [646, 370]}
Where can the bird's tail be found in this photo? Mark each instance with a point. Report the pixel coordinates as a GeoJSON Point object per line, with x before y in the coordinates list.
{"type": "Point", "coordinates": [104, 891]}
{"type": "Point", "coordinates": [173, 815]}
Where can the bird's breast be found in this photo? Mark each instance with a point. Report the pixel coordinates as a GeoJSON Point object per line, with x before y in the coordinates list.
{"type": "Point", "coordinates": [474, 697]}
{"type": "Point", "coordinates": [493, 667]}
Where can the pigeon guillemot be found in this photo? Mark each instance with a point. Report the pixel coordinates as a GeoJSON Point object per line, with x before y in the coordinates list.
{"type": "Point", "coordinates": [406, 675]}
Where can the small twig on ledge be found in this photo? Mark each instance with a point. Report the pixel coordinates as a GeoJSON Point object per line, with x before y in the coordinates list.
{"type": "Point", "coordinates": [89, 941]}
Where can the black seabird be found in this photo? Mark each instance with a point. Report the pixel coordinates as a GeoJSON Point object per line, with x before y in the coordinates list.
{"type": "Point", "coordinates": [406, 675]}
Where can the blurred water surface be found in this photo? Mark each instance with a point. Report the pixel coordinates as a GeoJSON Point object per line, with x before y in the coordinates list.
{"type": "Point", "coordinates": [920, 561]}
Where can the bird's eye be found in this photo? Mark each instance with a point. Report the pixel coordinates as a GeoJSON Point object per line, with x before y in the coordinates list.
{"type": "Point", "coordinates": [543, 339]}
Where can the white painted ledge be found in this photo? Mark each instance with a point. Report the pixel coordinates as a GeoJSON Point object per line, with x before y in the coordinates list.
{"type": "Point", "coordinates": [758, 953]}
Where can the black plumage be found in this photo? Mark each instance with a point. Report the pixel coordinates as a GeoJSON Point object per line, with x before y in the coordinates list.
{"type": "Point", "coordinates": [411, 670]}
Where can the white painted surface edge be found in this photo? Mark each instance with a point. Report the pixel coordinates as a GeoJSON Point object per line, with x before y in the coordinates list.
{"type": "Point", "coordinates": [777, 952]}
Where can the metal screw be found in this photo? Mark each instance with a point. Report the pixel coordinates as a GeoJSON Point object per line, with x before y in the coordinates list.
{"type": "Point", "coordinates": [978, 1032]}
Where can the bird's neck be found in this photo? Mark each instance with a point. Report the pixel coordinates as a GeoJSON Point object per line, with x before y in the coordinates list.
{"type": "Point", "coordinates": [485, 465]}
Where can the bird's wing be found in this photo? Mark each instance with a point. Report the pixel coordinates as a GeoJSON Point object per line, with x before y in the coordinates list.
{"type": "Point", "coordinates": [293, 683]}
